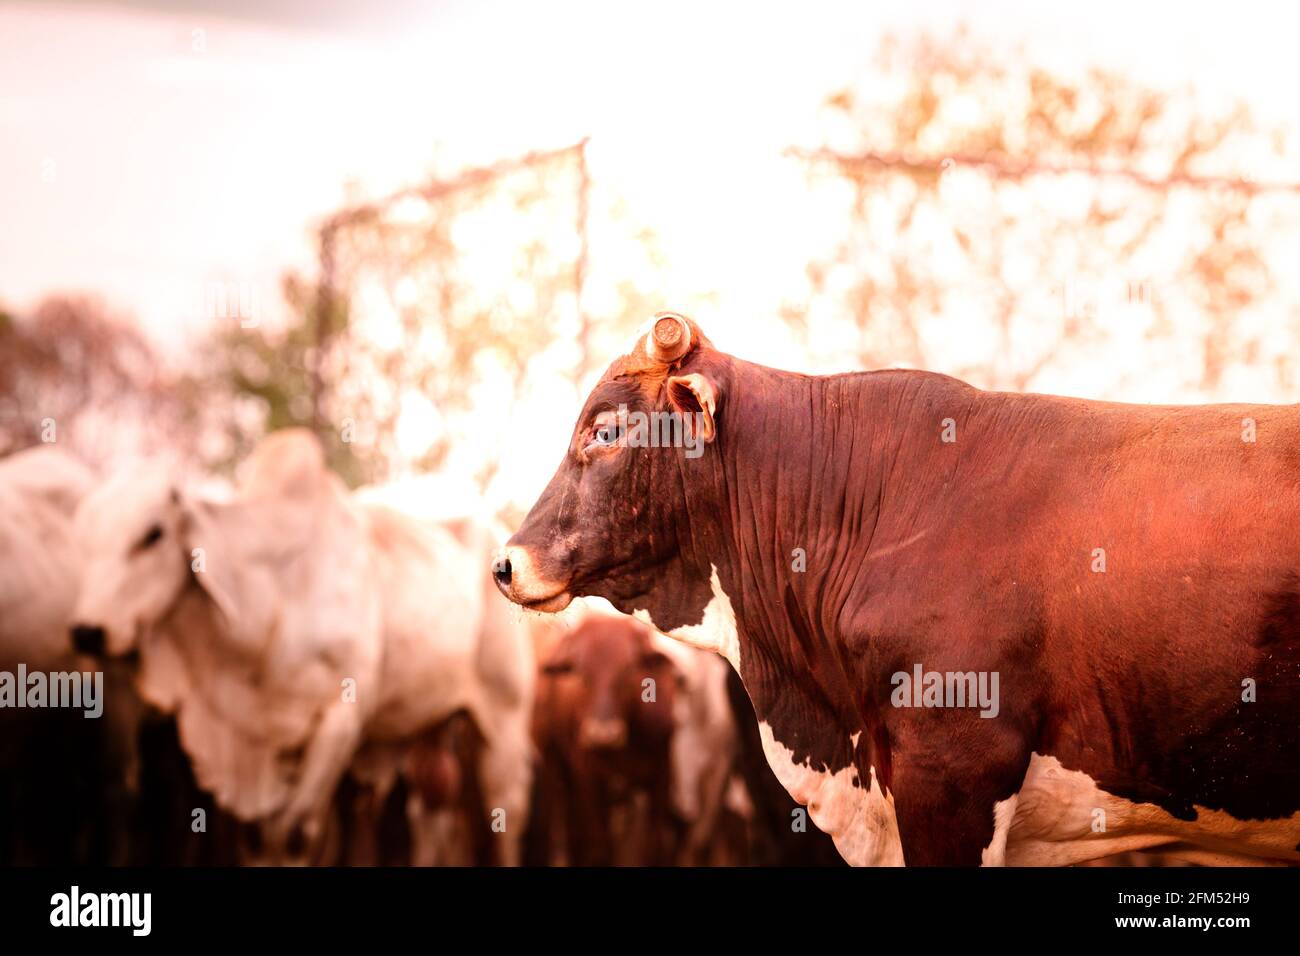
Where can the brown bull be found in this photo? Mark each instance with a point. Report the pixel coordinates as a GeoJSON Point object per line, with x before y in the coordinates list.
{"type": "Point", "coordinates": [975, 626]}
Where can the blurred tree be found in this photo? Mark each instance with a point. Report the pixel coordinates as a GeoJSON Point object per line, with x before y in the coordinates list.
{"type": "Point", "coordinates": [264, 375]}
{"type": "Point", "coordinates": [435, 309]}
{"type": "Point", "coordinates": [77, 374]}
{"type": "Point", "coordinates": [1044, 216]}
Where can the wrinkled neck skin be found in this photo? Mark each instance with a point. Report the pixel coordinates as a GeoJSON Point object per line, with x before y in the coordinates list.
{"type": "Point", "coordinates": [797, 479]}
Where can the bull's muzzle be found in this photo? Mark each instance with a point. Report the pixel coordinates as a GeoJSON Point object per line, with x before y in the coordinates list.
{"type": "Point", "coordinates": [609, 733]}
{"type": "Point", "coordinates": [515, 575]}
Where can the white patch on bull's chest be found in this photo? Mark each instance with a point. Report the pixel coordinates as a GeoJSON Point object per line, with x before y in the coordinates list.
{"type": "Point", "coordinates": [1004, 812]}
{"type": "Point", "coordinates": [860, 820]}
{"type": "Point", "coordinates": [1056, 808]}
{"type": "Point", "coordinates": [717, 629]}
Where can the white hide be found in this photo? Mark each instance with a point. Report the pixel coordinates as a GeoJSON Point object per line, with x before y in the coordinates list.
{"type": "Point", "coordinates": [451, 642]}
{"type": "Point", "coordinates": [717, 628]}
{"type": "Point", "coordinates": [39, 490]}
{"type": "Point", "coordinates": [1056, 807]}
{"type": "Point", "coordinates": [251, 650]}
{"type": "Point", "coordinates": [859, 819]}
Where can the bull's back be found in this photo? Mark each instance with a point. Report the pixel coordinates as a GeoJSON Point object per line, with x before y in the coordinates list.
{"type": "Point", "coordinates": [1158, 564]}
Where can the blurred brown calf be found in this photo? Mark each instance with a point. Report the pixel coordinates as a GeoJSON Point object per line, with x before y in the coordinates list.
{"type": "Point", "coordinates": [604, 736]}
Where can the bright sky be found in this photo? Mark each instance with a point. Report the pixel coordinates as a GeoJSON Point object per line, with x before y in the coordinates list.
{"type": "Point", "coordinates": [150, 148]}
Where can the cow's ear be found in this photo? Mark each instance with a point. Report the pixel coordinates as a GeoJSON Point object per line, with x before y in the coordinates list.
{"type": "Point", "coordinates": [692, 395]}
{"type": "Point", "coordinates": [223, 567]}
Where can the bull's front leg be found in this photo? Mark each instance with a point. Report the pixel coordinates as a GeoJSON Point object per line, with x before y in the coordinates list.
{"type": "Point", "coordinates": [327, 756]}
{"type": "Point", "coordinates": [954, 785]}
{"type": "Point", "coordinates": [506, 775]}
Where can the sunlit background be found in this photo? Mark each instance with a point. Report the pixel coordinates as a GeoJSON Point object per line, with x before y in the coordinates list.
{"type": "Point", "coordinates": [199, 239]}
{"type": "Point", "coordinates": [423, 229]}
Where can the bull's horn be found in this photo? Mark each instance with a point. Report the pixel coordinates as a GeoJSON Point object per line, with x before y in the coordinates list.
{"type": "Point", "coordinates": [670, 338]}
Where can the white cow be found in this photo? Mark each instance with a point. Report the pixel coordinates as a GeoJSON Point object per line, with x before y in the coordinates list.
{"type": "Point", "coordinates": [39, 490]}
{"type": "Point", "coordinates": [55, 765]}
{"type": "Point", "coordinates": [251, 618]}
{"type": "Point", "coordinates": [450, 645]}
{"type": "Point", "coordinates": [289, 626]}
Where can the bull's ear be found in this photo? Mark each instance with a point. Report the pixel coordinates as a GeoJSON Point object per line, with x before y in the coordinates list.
{"type": "Point", "coordinates": [692, 395]}
{"type": "Point", "coordinates": [225, 566]}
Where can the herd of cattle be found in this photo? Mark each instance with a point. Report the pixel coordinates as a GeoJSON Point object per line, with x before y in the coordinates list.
{"type": "Point", "coordinates": [298, 673]}
{"type": "Point", "coordinates": [817, 578]}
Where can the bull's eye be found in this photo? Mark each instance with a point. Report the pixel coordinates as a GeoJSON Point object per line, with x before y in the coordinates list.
{"type": "Point", "coordinates": [151, 537]}
{"type": "Point", "coordinates": [604, 432]}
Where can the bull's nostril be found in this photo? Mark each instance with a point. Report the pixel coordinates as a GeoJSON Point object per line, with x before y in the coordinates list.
{"type": "Point", "coordinates": [88, 639]}
{"type": "Point", "coordinates": [501, 571]}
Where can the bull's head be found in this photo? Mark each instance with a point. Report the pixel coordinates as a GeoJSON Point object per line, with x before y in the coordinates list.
{"type": "Point", "coordinates": [144, 544]}
{"type": "Point", "coordinates": [131, 534]}
{"type": "Point", "coordinates": [628, 514]}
